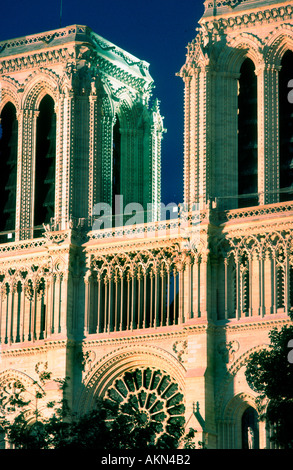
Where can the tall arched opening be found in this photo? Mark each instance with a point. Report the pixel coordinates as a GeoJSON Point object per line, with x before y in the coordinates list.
{"type": "Point", "coordinates": [250, 429]}
{"type": "Point", "coordinates": [8, 167]}
{"type": "Point", "coordinates": [286, 129]}
{"type": "Point", "coordinates": [247, 136]}
{"type": "Point", "coordinates": [44, 197]}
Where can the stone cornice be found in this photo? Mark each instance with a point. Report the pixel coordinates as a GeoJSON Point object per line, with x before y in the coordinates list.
{"type": "Point", "coordinates": [71, 44]}
{"type": "Point", "coordinates": [58, 37]}
{"type": "Point", "coordinates": [30, 349]}
{"type": "Point", "coordinates": [43, 346]}
{"type": "Point", "coordinates": [130, 245]}
{"type": "Point", "coordinates": [254, 14]}
{"type": "Point", "coordinates": [247, 10]}
{"type": "Point", "coordinates": [249, 324]}
{"type": "Point", "coordinates": [125, 337]}
{"type": "Point", "coordinates": [261, 228]}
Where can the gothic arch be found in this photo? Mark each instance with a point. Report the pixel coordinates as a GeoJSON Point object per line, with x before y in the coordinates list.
{"type": "Point", "coordinates": [242, 360]}
{"type": "Point", "coordinates": [125, 111]}
{"type": "Point", "coordinates": [249, 243]}
{"type": "Point", "coordinates": [9, 93]}
{"type": "Point", "coordinates": [278, 42]}
{"type": "Point", "coordinates": [237, 405]}
{"type": "Point", "coordinates": [115, 364]}
{"type": "Point", "coordinates": [245, 46]}
{"type": "Point", "coordinates": [224, 386]}
{"type": "Point", "coordinates": [241, 415]}
{"type": "Point", "coordinates": [105, 103]}
{"type": "Point", "coordinates": [38, 85]}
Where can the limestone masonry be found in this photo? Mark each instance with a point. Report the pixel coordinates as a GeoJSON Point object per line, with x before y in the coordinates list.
{"type": "Point", "coordinates": [167, 309]}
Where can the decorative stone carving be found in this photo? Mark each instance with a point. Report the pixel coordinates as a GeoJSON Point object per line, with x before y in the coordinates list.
{"type": "Point", "coordinates": [180, 349]}
{"type": "Point", "coordinates": [228, 351]}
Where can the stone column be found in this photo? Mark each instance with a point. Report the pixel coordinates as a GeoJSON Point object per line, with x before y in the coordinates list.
{"type": "Point", "coordinates": [65, 201]}
{"type": "Point", "coordinates": [87, 304]}
{"type": "Point", "coordinates": [204, 261]}
{"type": "Point", "coordinates": [144, 298]}
{"type": "Point", "coordinates": [93, 172]}
{"type": "Point", "coordinates": [268, 123]}
{"type": "Point", "coordinates": [19, 195]}
{"type": "Point", "coordinates": [26, 203]}
{"type": "Point", "coordinates": [139, 298]}
{"type": "Point", "coordinates": [226, 263]}
{"type": "Point", "coordinates": [269, 283]}
{"type": "Point", "coordinates": [287, 299]}
{"type": "Point", "coordinates": [99, 303]}
{"type": "Point", "coordinates": [225, 152]}
{"type": "Point", "coordinates": [133, 301]}
{"type": "Point", "coordinates": [39, 294]}
{"type": "Point", "coordinates": [262, 285]}
{"type": "Point", "coordinates": [116, 292]}
{"type": "Point", "coordinates": [188, 297]}
{"type": "Point", "coordinates": [238, 287]}
{"type": "Point", "coordinates": [128, 301]}
{"type": "Point", "coordinates": [175, 307]}
{"type": "Point", "coordinates": [168, 297]}
{"type": "Point", "coordinates": [47, 331]}
{"type": "Point", "coordinates": [27, 305]}
{"type": "Point", "coordinates": [2, 313]}
{"type": "Point", "coordinates": [163, 297]}
{"type": "Point", "coordinates": [157, 296]}
{"type": "Point", "coordinates": [63, 302]}
{"type": "Point", "coordinates": [180, 270]}
{"type": "Point", "coordinates": [151, 297]}
{"type": "Point", "coordinates": [106, 285]}
{"type": "Point", "coordinates": [255, 294]}
{"type": "Point", "coordinates": [107, 159]}
{"type": "Point", "coordinates": [121, 300]}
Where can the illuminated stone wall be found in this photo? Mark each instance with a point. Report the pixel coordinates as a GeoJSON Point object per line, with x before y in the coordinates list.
{"type": "Point", "coordinates": [172, 308]}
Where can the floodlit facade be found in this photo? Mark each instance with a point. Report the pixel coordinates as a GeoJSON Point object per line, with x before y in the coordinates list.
{"type": "Point", "coordinates": [163, 313]}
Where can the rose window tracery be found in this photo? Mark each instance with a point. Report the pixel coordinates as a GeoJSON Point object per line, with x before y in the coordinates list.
{"type": "Point", "coordinates": [153, 393]}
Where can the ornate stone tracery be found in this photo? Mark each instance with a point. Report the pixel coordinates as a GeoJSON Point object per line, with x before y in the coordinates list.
{"type": "Point", "coordinates": [153, 394]}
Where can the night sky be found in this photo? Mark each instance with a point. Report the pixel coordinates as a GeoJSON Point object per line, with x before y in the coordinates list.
{"type": "Point", "coordinates": [157, 31]}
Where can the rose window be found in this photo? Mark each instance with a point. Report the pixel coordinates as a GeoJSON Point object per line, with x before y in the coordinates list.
{"type": "Point", "coordinates": [153, 393]}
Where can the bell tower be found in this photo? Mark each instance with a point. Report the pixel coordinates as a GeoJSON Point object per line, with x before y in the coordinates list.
{"type": "Point", "coordinates": [77, 129]}
{"type": "Point", "coordinates": [237, 115]}
{"type": "Point", "coordinates": [171, 310]}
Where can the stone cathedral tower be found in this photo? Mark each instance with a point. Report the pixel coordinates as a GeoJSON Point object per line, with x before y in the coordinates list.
{"type": "Point", "coordinates": [169, 310]}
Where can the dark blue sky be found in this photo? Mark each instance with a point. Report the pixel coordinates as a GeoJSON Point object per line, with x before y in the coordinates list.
{"type": "Point", "coordinates": [157, 31]}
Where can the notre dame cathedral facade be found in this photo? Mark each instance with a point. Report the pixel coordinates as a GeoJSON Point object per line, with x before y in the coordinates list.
{"type": "Point", "coordinates": [164, 312]}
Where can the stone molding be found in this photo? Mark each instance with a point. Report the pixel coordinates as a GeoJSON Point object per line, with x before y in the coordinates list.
{"type": "Point", "coordinates": [104, 372]}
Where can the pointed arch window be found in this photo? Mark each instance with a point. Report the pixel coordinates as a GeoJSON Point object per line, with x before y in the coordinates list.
{"type": "Point", "coordinates": [286, 129]}
{"type": "Point", "coordinates": [45, 162]}
{"type": "Point", "coordinates": [8, 167]}
{"type": "Point", "coordinates": [247, 136]}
